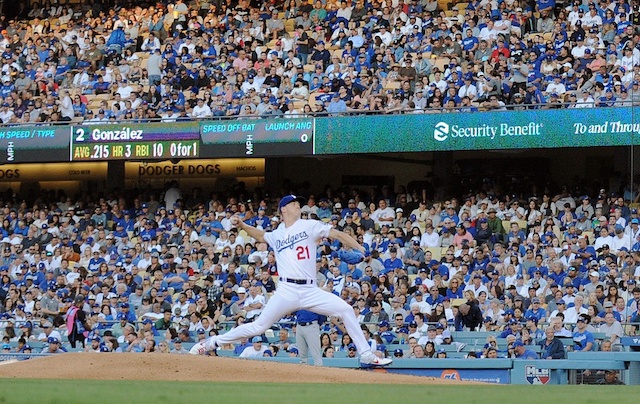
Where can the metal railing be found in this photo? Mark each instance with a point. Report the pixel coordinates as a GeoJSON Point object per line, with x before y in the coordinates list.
{"type": "Point", "coordinates": [350, 112]}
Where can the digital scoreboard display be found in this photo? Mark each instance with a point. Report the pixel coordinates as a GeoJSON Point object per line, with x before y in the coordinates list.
{"type": "Point", "coordinates": [258, 137]}
{"type": "Point", "coordinates": [34, 144]}
{"type": "Point", "coordinates": [156, 141]}
{"type": "Point", "coordinates": [248, 138]}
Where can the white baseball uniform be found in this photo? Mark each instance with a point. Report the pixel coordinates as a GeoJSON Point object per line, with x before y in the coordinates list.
{"type": "Point", "coordinates": [295, 251]}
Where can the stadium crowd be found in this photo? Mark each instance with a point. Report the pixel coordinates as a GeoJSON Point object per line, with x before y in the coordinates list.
{"type": "Point", "coordinates": [160, 273]}
{"type": "Point", "coordinates": [104, 61]}
{"type": "Point", "coordinates": [151, 274]}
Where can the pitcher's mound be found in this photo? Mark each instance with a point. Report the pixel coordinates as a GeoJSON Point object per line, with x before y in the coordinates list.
{"type": "Point", "coordinates": [126, 366]}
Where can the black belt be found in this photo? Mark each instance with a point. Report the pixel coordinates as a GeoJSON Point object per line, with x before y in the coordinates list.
{"type": "Point", "coordinates": [298, 281]}
{"type": "Point", "coordinates": [303, 323]}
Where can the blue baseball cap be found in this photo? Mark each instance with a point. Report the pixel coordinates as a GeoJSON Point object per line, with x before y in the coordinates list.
{"type": "Point", "coordinates": [518, 343]}
{"type": "Point", "coordinates": [294, 350]}
{"type": "Point", "coordinates": [256, 339]}
{"type": "Point", "coordinates": [288, 199]}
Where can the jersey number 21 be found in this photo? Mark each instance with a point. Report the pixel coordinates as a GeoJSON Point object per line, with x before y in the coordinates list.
{"type": "Point", "coordinates": [303, 253]}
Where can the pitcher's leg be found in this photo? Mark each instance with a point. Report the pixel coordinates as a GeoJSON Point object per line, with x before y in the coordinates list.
{"type": "Point", "coordinates": [279, 305]}
{"type": "Point", "coordinates": [328, 304]}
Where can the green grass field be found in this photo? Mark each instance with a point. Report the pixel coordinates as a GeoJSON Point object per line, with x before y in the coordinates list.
{"type": "Point", "coordinates": [124, 392]}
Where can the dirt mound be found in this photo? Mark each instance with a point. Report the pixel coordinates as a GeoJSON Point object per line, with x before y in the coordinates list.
{"type": "Point", "coordinates": [125, 366]}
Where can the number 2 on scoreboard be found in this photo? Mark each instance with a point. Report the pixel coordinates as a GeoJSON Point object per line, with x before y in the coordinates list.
{"type": "Point", "coordinates": [303, 253]}
{"type": "Point", "coordinates": [80, 135]}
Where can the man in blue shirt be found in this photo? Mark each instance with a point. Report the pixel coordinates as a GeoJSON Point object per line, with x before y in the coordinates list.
{"type": "Point", "coordinates": [608, 308]}
{"type": "Point", "coordinates": [470, 43]}
{"type": "Point", "coordinates": [582, 339]}
{"type": "Point", "coordinates": [585, 252]}
{"type": "Point", "coordinates": [535, 311]}
{"type": "Point", "coordinates": [324, 209]}
{"type": "Point", "coordinates": [393, 262]}
{"type": "Point", "coordinates": [513, 328]}
{"type": "Point", "coordinates": [434, 296]}
{"type": "Point", "coordinates": [534, 96]}
{"type": "Point", "coordinates": [337, 105]}
{"type": "Point", "coordinates": [522, 352]}
{"type": "Point", "coordinates": [544, 271]}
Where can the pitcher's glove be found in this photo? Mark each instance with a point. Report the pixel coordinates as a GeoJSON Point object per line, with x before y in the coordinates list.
{"type": "Point", "coordinates": [351, 256]}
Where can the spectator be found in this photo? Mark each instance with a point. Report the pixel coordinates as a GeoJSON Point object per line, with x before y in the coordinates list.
{"type": "Point", "coordinates": [521, 352]}
{"type": "Point", "coordinates": [552, 347]}
{"type": "Point", "coordinates": [610, 378]}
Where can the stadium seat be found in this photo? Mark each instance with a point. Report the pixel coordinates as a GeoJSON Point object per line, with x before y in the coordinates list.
{"type": "Point", "coordinates": [392, 85]}
{"type": "Point", "coordinates": [312, 97]}
{"type": "Point", "coordinates": [271, 44]}
{"type": "Point", "coordinates": [441, 63]}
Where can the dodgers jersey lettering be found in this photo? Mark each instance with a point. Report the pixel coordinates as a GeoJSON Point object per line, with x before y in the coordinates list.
{"type": "Point", "coordinates": [295, 247]}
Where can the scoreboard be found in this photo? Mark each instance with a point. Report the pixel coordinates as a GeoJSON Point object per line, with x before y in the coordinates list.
{"type": "Point", "coordinates": [157, 141]}
{"type": "Point", "coordinates": [135, 142]}
{"type": "Point", "coordinates": [258, 138]}
{"type": "Point", "coordinates": [21, 144]}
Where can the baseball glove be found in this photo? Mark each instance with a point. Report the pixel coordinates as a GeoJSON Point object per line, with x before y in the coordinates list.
{"type": "Point", "coordinates": [351, 256]}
